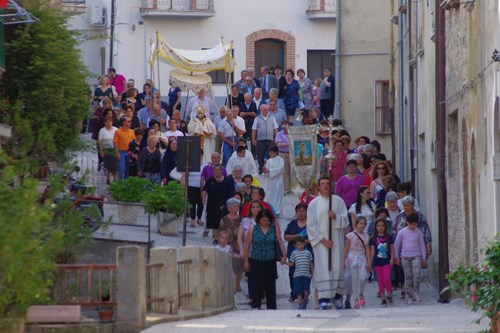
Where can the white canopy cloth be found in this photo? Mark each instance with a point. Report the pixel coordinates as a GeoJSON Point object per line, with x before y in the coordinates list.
{"type": "Point", "coordinates": [194, 61]}
{"type": "Point", "coordinates": [194, 82]}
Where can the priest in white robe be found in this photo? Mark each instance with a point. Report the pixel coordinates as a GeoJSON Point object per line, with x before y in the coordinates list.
{"type": "Point", "coordinates": [203, 127]}
{"type": "Point", "coordinates": [330, 283]}
{"type": "Point", "coordinates": [273, 169]}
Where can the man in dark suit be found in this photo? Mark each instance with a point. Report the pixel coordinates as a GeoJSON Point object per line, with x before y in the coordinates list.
{"type": "Point", "coordinates": [267, 81]}
{"type": "Point", "coordinates": [248, 111]}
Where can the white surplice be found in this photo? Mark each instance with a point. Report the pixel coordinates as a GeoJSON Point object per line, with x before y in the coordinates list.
{"type": "Point", "coordinates": [204, 128]}
{"type": "Point", "coordinates": [327, 282]}
{"type": "Point", "coordinates": [275, 191]}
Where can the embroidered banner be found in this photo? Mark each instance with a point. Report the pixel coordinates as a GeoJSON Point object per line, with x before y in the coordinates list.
{"type": "Point", "coordinates": [303, 153]}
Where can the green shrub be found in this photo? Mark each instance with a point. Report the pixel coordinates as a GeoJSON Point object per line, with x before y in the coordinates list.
{"type": "Point", "coordinates": [128, 190]}
{"type": "Point", "coordinates": [168, 198]}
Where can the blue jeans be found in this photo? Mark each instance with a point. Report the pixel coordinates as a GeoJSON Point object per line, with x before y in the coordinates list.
{"type": "Point", "coordinates": [227, 151]}
{"type": "Point", "coordinates": [123, 165]}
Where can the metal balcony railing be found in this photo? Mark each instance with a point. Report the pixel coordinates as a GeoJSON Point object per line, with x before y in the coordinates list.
{"type": "Point", "coordinates": [194, 8]}
{"type": "Point", "coordinates": [321, 9]}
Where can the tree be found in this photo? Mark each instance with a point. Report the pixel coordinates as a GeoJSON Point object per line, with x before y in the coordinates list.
{"type": "Point", "coordinates": [44, 91]}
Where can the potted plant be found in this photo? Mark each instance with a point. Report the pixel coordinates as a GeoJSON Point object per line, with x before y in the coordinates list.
{"type": "Point", "coordinates": [167, 202]}
{"type": "Point", "coordinates": [479, 283]}
{"type": "Point", "coordinates": [125, 191]}
{"type": "Point", "coordinates": [104, 292]}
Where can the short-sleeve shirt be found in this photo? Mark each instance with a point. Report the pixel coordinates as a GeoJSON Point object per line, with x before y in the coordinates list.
{"type": "Point", "coordinates": [302, 262]}
{"type": "Point", "coordinates": [293, 229]}
{"type": "Point", "coordinates": [106, 137]}
{"type": "Point", "coordinates": [226, 128]}
{"type": "Point", "coordinates": [122, 138]}
{"type": "Point", "coordinates": [382, 255]}
{"type": "Point", "coordinates": [357, 248]}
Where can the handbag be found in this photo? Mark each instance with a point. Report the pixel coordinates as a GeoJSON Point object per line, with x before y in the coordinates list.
{"type": "Point", "coordinates": [174, 174]}
{"type": "Point", "coordinates": [278, 254]}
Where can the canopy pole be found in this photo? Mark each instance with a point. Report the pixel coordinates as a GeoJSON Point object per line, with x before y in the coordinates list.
{"type": "Point", "coordinates": [151, 65]}
{"type": "Point", "coordinates": [158, 58]}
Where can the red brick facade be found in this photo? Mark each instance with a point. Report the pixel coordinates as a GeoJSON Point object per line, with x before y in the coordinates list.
{"type": "Point", "coordinates": [287, 38]}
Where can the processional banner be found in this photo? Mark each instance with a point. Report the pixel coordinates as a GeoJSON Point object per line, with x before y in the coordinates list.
{"type": "Point", "coordinates": [303, 153]}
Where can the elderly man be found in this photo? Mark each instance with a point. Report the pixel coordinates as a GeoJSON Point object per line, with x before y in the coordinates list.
{"type": "Point", "coordinates": [241, 82]}
{"type": "Point", "coordinates": [248, 111]}
{"type": "Point", "coordinates": [130, 84]}
{"type": "Point", "coordinates": [257, 99]}
{"type": "Point", "coordinates": [159, 114]}
{"type": "Point", "coordinates": [145, 113]}
{"type": "Point", "coordinates": [278, 114]}
{"type": "Point", "coordinates": [249, 85]}
{"type": "Point", "coordinates": [217, 121]}
{"type": "Point", "coordinates": [264, 130]}
{"type": "Point", "coordinates": [267, 81]}
{"type": "Point", "coordinates": [328, 276]}
{"type": "Point", "coordinates": [200, 99]}
{"type": "Point", "coordinates": [228, 132]}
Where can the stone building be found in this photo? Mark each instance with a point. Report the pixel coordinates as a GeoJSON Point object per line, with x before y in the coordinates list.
{"type": "Point", "coordinates": [447, 120]}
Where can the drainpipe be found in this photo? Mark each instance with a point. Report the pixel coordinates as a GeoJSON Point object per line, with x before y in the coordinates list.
{"type": "Point", "coordinates": [392, 91]}
{"type": "Point", "coordinates": [336, 112]}
{"type": "Point", "coordinates": [441, 150]}
{"type": "Point", "coordinates": [401, 161]}
{"type": "Point", "coordinates": [416, 142]}
{"type": "Point", "coordinates": [112, 33]}
{"type": "Point", "coordinates": [411, 97]}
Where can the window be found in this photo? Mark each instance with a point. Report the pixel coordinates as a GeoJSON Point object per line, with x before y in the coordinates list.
{"type": "Point", "coordinates": [383, 119]}
{"type": "Point", "coordinates": [317, 61]}
{"type": "Point", "coordinates": [269, 52]}
{"type": "Point", "coordinates": [219, 76]}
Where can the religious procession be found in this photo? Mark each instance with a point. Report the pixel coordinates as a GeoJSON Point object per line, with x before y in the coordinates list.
{"type": "Point", "coordinates": [275, 134]}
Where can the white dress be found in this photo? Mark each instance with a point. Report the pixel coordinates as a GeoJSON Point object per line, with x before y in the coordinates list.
{"type": "Point", "coordinates": [275, 191]}
{"type": "Point", "coordinates": [327, 282]}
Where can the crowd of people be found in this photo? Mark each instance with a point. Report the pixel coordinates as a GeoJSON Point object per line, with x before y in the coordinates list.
{"type": "Point", "coordinates": [355, 222]}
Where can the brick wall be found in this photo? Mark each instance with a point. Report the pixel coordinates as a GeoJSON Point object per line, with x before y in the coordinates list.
{"type": "Point", "coordinates": [288, 39]}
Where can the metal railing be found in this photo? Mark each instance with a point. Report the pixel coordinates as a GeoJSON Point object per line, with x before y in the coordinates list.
{"type": "Point", "coordinates": [179, 5]}
{"type": "Point", "coordinates": [153, 298]}
{"type": "Point", "coordinates": [85, 285]}
{"type": "Point", "coordinates": [183, 268]}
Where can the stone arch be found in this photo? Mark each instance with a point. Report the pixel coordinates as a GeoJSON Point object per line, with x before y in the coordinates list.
{"type": "Point", "coordinates": [287, 38]}
{"type": "Point", "coordinates": [465, 190]}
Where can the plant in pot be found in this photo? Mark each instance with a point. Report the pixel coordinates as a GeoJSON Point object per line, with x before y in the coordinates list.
{"type": "Point", "coordinates": [104, 294]}
{"type": "Point", "coordinates": [128, 191]}
{"type": "Point", "coordinates": [479, 283]}
{"type": "Point", "coordinates": [167, 202]}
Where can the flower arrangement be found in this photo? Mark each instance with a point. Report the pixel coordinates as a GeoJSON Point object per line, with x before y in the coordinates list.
{"type": "Point", "coordinates": [479, 282]}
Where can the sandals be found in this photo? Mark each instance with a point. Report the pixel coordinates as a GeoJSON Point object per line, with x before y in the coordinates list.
{"type": "Point", "coordinates": [200, 222]}
{"type": "Point", "coordinates": [193, 225]}
{"type": "Point", "coordinates": [205, 233]}
{"type": "Point", "coordinates": [402, 295]}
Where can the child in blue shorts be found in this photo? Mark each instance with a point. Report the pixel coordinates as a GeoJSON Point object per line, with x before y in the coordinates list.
{"type": "Point", "coordinates": [302, 259]}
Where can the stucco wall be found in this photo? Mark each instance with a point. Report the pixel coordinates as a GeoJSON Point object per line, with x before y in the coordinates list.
{"type": "Point", "coordinates": [364, 59]}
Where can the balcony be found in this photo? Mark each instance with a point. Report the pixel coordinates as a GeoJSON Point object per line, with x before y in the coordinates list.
{"type": "Point", "coordinates": [177, 8]}
{"type": "Point", "coordinates": [321, 9]}
{"type": "Point", "coordinates": [71, 7]}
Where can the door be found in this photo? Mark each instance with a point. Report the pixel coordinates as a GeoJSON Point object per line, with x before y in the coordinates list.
{"type": "Point", "coordinates": [269, 52]}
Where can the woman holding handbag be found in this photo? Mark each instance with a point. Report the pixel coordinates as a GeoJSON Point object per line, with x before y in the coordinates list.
{"type": "Point", "coordinates": [265, 242]}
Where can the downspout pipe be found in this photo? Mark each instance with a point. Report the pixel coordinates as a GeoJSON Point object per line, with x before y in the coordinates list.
{"type": "Point", "coordinates": [441, 150]}
{"type": "Point", "coordinates": [401, 93]}
{"type": "Point", "coordinates": [411, 98]}
{"type": "Point", "coordinates": [392, 88]}
{"type": "Point", "coordinates": [336, 111]}
{"type": "Point", "coordinates": [112, 33]}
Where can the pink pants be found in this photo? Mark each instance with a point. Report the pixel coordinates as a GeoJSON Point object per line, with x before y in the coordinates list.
{"type": "Point", "coordinates": [384, 278]}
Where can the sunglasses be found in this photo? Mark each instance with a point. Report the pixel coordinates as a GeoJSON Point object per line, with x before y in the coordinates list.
{"type": "Point", "coordinates": [381, 168]}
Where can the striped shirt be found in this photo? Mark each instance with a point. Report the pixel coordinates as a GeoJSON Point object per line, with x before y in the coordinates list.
{"type": "Point", "coordinates": [302, 262]}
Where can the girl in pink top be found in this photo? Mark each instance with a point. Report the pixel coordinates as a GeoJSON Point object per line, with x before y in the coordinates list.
{"type": "Point", "coordinates": [356, 260]}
